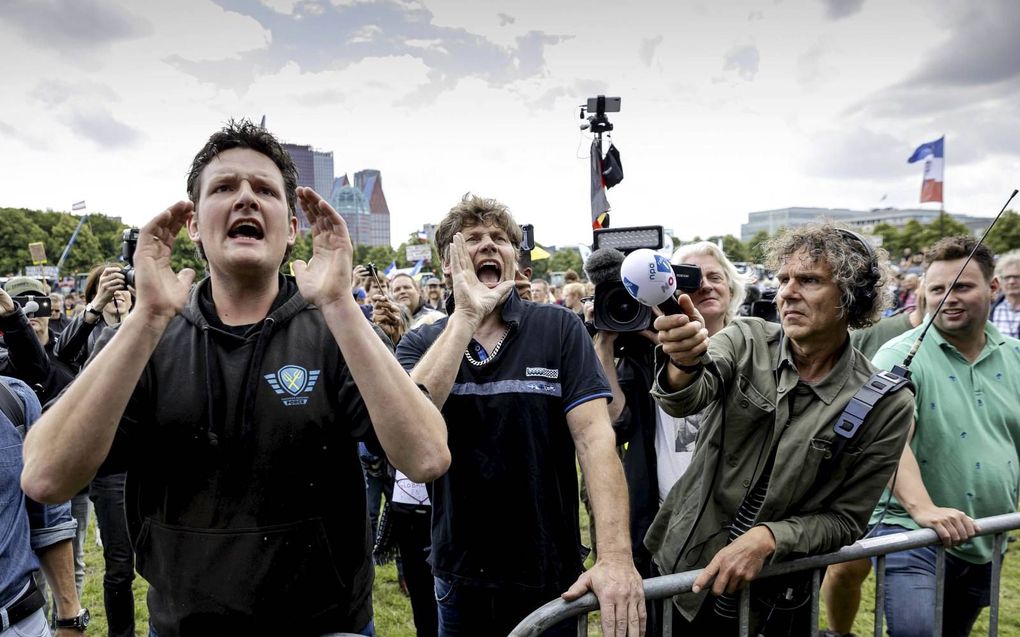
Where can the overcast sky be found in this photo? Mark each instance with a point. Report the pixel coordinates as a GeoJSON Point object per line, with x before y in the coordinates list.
{"type": "Point", "coordinates": [728, 106]}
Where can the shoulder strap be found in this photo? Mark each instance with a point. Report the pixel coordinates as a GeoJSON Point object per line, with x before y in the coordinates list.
{"type": "Point", "coordinates": [849, 423]}
{"type": "Point", "coordinates": [13, 408]}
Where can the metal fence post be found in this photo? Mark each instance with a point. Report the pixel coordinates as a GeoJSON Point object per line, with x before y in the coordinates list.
{"type": "Point", "coordinates": [816, 584]}
{"type": "Point", "coordinates": [745, 611]}
{"type": "Point", "coordinates": [993, 612]}
{"type": "Point", "coordinates": [940, 587]}
{"type": "Point", "coordinates": [879, 594]}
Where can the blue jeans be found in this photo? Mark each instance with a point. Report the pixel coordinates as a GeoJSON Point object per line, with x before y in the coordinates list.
{"type": "Point", "coordinates": [107, 494]}
{"type": "Point", "coordinates": [910, 591]}
{"type": "Point", "coordinates": [469, 611]}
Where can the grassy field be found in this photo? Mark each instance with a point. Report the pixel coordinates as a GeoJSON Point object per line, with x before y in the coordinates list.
{"type": "Point", "coordinates": [393, 610]}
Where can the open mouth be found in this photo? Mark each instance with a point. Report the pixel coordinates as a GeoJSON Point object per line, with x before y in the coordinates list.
{"type": "Point", "coordinates": [489, 272]}
{"type": "Point", "coordinates": [246, 228]}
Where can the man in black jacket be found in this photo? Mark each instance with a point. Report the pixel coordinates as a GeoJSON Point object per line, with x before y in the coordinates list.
{"type": "Point", "coordinates": [235, 406]}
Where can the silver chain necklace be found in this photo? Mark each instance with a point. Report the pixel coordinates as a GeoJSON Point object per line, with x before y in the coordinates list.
{"type": "Point", "coordinates": [495, 350]}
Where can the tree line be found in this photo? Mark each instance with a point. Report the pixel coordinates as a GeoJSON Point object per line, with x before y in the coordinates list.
{"type": "Point", "coordinates": [100, 240]}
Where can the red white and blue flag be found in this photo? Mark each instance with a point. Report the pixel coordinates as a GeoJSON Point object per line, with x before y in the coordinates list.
{"type": "Point", "coordinates": [933, 154]}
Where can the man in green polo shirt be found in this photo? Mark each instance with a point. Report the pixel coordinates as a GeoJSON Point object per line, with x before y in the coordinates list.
{"type": "Point", "coordinates": [963, 461]}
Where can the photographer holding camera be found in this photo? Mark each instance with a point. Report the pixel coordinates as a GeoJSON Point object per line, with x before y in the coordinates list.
{"type": "Point", "coordinates": [769, 481]}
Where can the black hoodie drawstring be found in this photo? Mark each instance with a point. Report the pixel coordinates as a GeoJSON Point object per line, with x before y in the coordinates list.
{"type": "Point", "coordinates": [213, 424]}
{"type": "Point", "coordinates": [251, 380]}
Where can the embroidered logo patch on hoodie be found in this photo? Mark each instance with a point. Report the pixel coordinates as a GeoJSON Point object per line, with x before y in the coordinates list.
{"type": "Point", "coordinates": [290, 381]}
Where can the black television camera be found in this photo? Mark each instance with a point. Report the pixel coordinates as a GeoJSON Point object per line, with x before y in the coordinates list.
{"type": "Point", "coordinates": [128, 243]}
{"type": "Point", "coordinates": [615, 309]}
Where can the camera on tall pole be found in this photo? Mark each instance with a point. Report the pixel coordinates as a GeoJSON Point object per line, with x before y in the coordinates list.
{"type": "Point", "coordinates": [606, 168]}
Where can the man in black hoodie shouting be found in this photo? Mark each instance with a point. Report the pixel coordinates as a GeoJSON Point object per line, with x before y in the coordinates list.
{"type": "Point", "coordinates": [236, 405]}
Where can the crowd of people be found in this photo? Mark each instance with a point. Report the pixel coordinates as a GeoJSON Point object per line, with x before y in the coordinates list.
{"type": "Point", "coordinates": [254, 443]}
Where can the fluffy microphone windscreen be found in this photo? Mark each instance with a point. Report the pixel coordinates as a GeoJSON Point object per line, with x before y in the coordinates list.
{"type": "Point", "coordinates": [604, 265]}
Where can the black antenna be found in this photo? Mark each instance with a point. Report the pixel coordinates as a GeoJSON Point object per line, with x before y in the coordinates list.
{"type": "Point", "coordinates": [952, 286]}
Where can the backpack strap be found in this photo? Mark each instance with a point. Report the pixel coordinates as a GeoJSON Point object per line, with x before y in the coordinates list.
{"type": "Point", "coordinates": [13, 408]}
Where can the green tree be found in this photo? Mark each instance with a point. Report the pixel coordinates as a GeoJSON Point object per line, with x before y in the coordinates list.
{"type": "Point", "coordinates": [755, 254]}
{"type": "Point", "coordinates": [1005, 236]}
{"type": "Point", "coordinates": [734, 248]}
{"type": "Point", "coordinates": [109, 232]}
{"type": "Point", "coordinates": [17, 230]}
{"type": "Point", "coordinates": [566, 259]}
{"type": "Point", "coordinates": [185, 255]}
{"type": "Point", "coordinates": [85, 252]}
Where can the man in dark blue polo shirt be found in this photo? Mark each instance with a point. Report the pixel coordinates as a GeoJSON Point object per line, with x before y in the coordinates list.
{"type": "Point", "coordinates": [522, 392]}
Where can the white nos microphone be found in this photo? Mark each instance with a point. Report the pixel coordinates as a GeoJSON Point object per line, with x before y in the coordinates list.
{"type": "Point", "coordinates": [649, 278]}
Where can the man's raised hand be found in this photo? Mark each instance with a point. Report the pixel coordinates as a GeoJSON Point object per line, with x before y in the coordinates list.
{"type": "Point", "coordinates": [683, 336]}
{"type": "Point", "coordinates": [326, 278]}
{"type": "Point", "coordinates": [160, 293]}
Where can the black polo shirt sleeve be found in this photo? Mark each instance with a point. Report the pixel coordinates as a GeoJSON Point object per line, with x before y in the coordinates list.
{"type": "Point", "coordinates": [583, 377]}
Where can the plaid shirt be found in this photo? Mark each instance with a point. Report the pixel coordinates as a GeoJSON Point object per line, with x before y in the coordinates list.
{"type": "Point", "coordinates": [1005, 318]}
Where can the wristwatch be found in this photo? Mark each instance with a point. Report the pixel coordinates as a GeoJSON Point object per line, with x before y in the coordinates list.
{"type": "Point", "coordinates": [92, 310]}
{"type": "Point", "coordinates": [79, 622]}
{"type": "Point", "coordinates": [687, 369]}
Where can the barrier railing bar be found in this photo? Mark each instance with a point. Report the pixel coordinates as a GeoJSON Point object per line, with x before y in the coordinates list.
{"type": "Point", "coordinates": [745, 612]}
{"type": "Point", "coordinates": [816, 585]}
{"type": "Point", "coordinates": [879, 594]}
{"type": "Point", "coordinates": [667, 617]}
{"type": "Point", "coordinates": [671, 585]}
{"type": "Point", "coordinates": [582, 625]}
{"type": "Point", "coordinates": [993, 613]}
{"type": "Point", "coordinates": [940, 587]}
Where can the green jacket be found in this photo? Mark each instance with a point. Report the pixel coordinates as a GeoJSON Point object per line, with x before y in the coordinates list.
{"type": "Point", "coordinates": [765, 405]}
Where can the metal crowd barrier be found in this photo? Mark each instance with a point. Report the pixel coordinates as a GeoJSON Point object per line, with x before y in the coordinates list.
{"type": "Point", "coordinates": [668, 586]}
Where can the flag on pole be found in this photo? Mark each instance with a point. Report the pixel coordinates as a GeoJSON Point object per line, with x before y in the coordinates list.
{"type": "Point", "coordinates": [390, 268]}
{"type": "Point", "coordinates": [933, 154]}
{"type": "Point", "coordinates": [599, 202]}
{"type": "Point", "coordinates": [78, 205]}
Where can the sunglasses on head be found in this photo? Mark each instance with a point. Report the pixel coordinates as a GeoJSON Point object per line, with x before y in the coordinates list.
{"type": "Point", "coordinates": [34, 305]}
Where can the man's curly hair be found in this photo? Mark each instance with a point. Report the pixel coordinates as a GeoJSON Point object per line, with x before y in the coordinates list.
{"type": "Point", "coordinates": [848, 260]}
{"type": "Point", "coordinates": [471, 211]}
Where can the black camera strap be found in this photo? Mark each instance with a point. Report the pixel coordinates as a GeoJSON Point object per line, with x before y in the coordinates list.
{"type": "Point", "coordinates": [846, 427]}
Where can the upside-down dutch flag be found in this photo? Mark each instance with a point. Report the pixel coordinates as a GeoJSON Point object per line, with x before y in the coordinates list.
{"type": "Point", "coordinates": [933, 154]}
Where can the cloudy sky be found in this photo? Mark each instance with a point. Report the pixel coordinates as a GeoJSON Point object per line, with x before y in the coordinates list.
{"type": "Point", "coordinates": [728, 106]}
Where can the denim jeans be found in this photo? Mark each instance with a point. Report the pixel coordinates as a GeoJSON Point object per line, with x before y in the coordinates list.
{"type": "Point", "coordinates": [469, 611]}
{"type": "Point", "coordinates": [107, 494]}
{"type": "Point", "coordinates": [910, 591]}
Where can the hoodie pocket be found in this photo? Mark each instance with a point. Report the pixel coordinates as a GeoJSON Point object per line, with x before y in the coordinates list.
{"type": "Point", "coordinates": [241, 572]}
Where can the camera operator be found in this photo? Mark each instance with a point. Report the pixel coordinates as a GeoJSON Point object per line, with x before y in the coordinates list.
{"type": "Point", "coordinates": [659, 447]}
{"type": "Point", "coordinates": [108, 303]}
{"type": "Point", "coordinates": [760, 486]}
